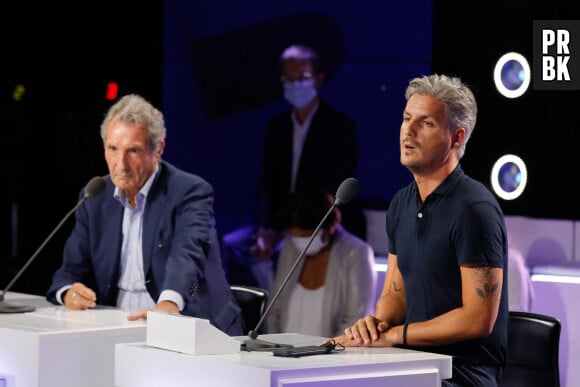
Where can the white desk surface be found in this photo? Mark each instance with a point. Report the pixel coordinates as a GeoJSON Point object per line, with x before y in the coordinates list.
{"type": "Point", "coordinates": [52, 346]}
{"type": "Point", "coordinates": [50, 319]}
{"type": "Point", "coordinates": [139, 365]}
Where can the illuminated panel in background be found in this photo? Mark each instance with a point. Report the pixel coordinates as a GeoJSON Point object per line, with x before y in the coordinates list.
{"type": "Point", "coordinates": [512, 75]}
{"type": "Point", "coordinates": [381, 264]}
{"type": "Point", "coordinates": [566, 279]}
{"type": "Point", "coordinates": [559, 274]}
{"type": "Point", "coordinates": [509, 176]}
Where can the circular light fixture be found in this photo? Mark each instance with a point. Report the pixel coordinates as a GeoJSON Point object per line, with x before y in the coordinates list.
{"type": "Point", "coordinates": [512, 75]}
{"type": "Point", "coordinates": [509, 177]}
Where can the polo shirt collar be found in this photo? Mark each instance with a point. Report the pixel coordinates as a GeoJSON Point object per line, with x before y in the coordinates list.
{"type": "Point", "coordinates": [447, 185]}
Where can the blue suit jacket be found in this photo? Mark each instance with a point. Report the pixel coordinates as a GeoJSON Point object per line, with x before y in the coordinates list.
{"type": "Point", "coordinates": [180, 248]}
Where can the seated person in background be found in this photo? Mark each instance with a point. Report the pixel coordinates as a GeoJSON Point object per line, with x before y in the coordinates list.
{"type": "Point", "coordinates": [149, 241]}
{"type": "Point", "coordinates": [520, 288]}
{"type": "Point", "coordinates": [334, 284]}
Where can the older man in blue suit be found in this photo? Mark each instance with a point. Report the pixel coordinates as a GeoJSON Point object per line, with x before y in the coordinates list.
{"type": "Point", "coordinates": [149, 241]}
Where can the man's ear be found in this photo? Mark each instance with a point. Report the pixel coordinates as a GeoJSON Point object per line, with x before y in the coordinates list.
{"type": "Point", "coordinates": [159, 151]}
{"type": "Point", "coordinates": [458, 136]}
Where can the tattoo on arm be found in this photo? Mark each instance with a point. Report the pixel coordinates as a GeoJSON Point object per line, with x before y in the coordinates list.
{"type": "Point", "coordinates": [485, 286]}
{"type": "Point", "coordinates": [395, 287]}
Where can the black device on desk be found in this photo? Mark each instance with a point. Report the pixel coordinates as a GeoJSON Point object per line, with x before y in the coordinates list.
{"type": "Point", "coordinates": [307, 350]}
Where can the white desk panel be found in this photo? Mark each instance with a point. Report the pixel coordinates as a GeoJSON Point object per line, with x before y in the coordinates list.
{"type": "Point", "coordinates": [52, 346]}
{"type": "Point", "coordinates": [138, 365]}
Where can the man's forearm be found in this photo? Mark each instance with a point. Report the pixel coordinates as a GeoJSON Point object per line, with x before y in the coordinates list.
{"type": "Point", "coordinates": [390, 309]}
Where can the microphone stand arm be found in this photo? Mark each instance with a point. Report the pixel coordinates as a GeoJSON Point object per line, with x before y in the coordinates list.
{"type": "Point", "coordinates": [17, 276]}
{"type": "Point", "coordinates": [254, 333]}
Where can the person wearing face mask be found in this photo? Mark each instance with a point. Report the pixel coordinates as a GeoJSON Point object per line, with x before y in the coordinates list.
{"type": "Point", "coordinates": [310, 145]}
{"type": "Point", "coordinates": [334, 284]}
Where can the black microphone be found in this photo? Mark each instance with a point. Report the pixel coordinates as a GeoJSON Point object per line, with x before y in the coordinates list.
{"type": "Point", "coordinates": [94, 187]}
{"type": "Point", "coordinates": [347, 190]}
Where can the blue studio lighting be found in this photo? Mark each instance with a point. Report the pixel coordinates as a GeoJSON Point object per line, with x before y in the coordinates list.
{"type": "Point", "coordinates": [512, 75]}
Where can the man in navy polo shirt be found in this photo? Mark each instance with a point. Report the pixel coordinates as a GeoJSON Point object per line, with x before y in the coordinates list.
{"type": "Point", "coordinates": [446, 287]}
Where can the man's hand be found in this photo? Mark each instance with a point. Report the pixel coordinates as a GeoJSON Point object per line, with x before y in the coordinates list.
{"type": "Point", "coordinates": [163, 306]}
{"type": "Point", "coordinates": [79, 297]}
{"type": "Point", "coordinates": [365, 332]}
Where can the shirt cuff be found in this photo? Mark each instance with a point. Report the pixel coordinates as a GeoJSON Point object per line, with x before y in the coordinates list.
{"type": "Point", "coordinates": [60, 292]}
{"type": "Point", "coordinates": [173, 296]}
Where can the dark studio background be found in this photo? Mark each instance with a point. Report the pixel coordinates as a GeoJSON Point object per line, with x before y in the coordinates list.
{"type": "Point", "coordinates": [211, 67]}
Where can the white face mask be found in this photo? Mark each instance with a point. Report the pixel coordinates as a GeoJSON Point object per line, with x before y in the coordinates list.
{"type": "Point", "coordinates": [301, 93]}
{"type": "Point", "coordinates": [315, 247]}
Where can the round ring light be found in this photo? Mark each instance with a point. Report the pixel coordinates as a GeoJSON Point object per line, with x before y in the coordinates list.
{"type": "Point", "coordinates": [512, 75]}
{"type": "Point", "coordinates": [509, 177]}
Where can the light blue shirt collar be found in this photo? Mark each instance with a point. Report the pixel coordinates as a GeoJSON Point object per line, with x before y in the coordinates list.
{"type": "Point", "coordinates": [143, 192]}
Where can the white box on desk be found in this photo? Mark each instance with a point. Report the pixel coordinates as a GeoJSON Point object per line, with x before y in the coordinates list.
{"type": "Point", "coordinates": [186, 334]}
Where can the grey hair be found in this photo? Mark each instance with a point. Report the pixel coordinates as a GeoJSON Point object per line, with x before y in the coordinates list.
{"type": "Point", "coordinates": [301, 51]}
{"type": "Point", "coordinates": [134, 109]}
{"type": "Point", "coordinates": [459, 101]}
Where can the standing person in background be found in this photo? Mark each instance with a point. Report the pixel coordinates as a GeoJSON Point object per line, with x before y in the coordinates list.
{"type": "Point", "coordinates": [312, 145]}
{"type": "Point", "coordinates": [446, 287]}
{"type": "Point", "coordinates": [334, 284]}
{"type": "Point", "coordinates": [149, 241]}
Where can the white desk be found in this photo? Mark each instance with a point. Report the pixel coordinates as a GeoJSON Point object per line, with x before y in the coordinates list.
{"type": "Point", "coordinates": [56, 347]}
{"type": "Point", "coordinates": [139, 365]}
